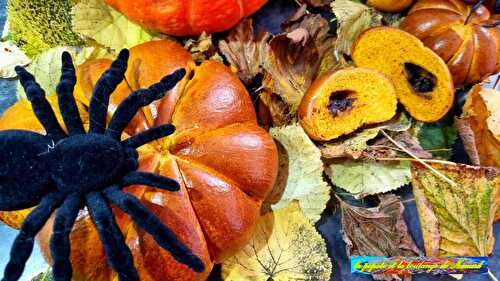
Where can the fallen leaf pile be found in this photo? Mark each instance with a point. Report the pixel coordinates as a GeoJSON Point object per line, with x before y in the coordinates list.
{"type": "Point", "coordinates": [457, 204]}
{"type": "Point", "coordinates": [285, 246]}
{"type": "Point", "coordinates": [379, 231]}
{"type": "Point", "coordinates": [457, 219]}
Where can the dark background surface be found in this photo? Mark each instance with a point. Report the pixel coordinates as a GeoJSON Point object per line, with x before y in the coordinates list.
{"type": "Point", "coordinates": [269, 18]}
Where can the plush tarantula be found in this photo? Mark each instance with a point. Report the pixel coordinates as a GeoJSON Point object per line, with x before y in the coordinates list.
{"type": "Point", "coordinates": [67, 171]}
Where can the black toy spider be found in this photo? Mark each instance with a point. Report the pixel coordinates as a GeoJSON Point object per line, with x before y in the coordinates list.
{"type": "Point", "coordinates": [69, 171]}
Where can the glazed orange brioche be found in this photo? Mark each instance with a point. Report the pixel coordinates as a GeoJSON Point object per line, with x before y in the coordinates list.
{"type": "Point", "coordinates": [467, 39]}
{"type": "Point", "coordinates": [392, 6]}
{"type": "Point", "coordinates": [223, 161]}
{"type": "Point", "coordinates": [422, 80]}
{"type": "Point", "coordinates": [342, 101]}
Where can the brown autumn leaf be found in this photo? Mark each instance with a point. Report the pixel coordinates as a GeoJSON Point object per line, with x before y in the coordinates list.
{"type": "Point", "coordinates": [467, 135]}
{"type": "Point", "coordinates": [379, 231]}
{"type": "Point", "coordinates": [457, 219]}
{"type": "Point", "coordinates": [245, 51]}
{"type": "Point", "coordinates": [290, 69]}
{"type": "Point", "coordinates": [279, 110]}
{"type": "Point", "coordinates": [202, 48]}
{"type": "Point", "coordinates": [481, 115]}
{"type": "Point", "coordinates": [295, 57]}
{"type": "Point", "coordinates": [317, 3]}
{"type": "Point", "coordinates": [303, 26]}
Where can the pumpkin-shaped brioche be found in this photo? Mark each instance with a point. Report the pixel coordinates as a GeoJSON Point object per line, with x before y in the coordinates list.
{"type": "Point", "coordinates": [466, 40]}
{"type": "Point", "coordinates": [392, 6]}
{"type": "Point", "coordinates": [225, 164]}
{"type": "Point", "coordinates": [187, 17]}
{"type": "Point", "coordinates": [341, 101]}
{"type": "Point", "coordinates": [422, 80]}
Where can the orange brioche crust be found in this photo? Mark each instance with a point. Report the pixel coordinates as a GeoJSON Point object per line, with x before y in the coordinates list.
{"type": "Point", "coordinates": [225, 164]}
{"type": "Point", "coordinates": [375, 102]}
{"type": "Point", "coordinates": [470, 50]}
{"type": "Point", "coordinates": [187, 17]}
{"type": "Point", "coordinates": [387, 49]}
{"type": "Point", "coordinates": [392, 6]}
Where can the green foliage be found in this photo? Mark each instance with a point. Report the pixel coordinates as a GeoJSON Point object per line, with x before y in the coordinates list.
{"type": "Point", "coordinates": [438, 139]}
{"type": "Point", "coordinates": [38, 25]}
{"type": "Point", "coordinates": [369, 177]}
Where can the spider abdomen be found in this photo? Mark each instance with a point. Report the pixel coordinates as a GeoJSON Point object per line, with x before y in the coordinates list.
{"type": "Point", "coordinates": [84, 163]}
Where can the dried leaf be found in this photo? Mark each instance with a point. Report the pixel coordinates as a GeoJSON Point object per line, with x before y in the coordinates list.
{"type": "Point", "coordinates": [369, 177]}
{"type": "Point", "coordinates": [393, 20]}
{"type": "Point", "coordinates": [10, 57]}
{"type": "Point", "coordinates": [285, 247]}
{"type": "Point", "coordinates": [481, 113]}
{"type": "Point", "coordinates": [403, 123]}
{"type": "Point", "coordinates": [246, 51]}
{"type": "Point", "coordinates": [44, 276]}
{"type": "Point", "coordinates": [305, 172]}
{"type": "Point", "coordinates": [47, 66]}
{"type": "Point", "coordinates": [467, 135]}
{"type": "Point", "coordinates": [295, 56]}
{"type": "Point", "coordinates": [457, 220]}
{"type": "Point", "coordinates": [353, 147]}
{"type": "Point", "coordinates": [352, 19]}
{"type": "Point", "coordinates": [379, 231]}
{"type": "Point", "coordinates": [303, 26]}
{"type": "Point", "coordinates": [278, 109]}
{"type": "Point", "coordinates": [96, 20]}
{"type": "Point", "coordinates": [317, 3]}
{"type": "Point", "coordinates": [438, 139]}
{"type": "Point", "coordinates": [202, 49]}
{"type": "Point", "coordinates": [408, 142]}
{"type": "Point", "coordinates": [290, 69]}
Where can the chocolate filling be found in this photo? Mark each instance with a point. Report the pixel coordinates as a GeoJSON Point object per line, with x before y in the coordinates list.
{"type": "Point", "coordinates": [421, 80]}
{"type": "Point", "coordinates": [340, 102]}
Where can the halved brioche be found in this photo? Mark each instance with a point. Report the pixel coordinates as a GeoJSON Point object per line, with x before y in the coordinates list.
{"type": "Point", "coordinates": [342, 101]}
{"type": "Point", "coordinates": [422, 80]}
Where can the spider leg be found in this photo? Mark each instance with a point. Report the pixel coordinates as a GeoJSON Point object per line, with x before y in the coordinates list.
{"type": "Point", "coordinates": [66, 100]}
{"type": "Point", "coordinates": [23, 244]}
{"type": "Point", "coordinates": [150, 179]}
{"type": "Point", "coordinates": [41, 107]}
{"type": "Point", "coordinates": [130, 105]}
{"type": "Point", "coordinates": [149, 135]}
{"type": "Point", "coordinates": [104, 87]}
{"type": "Point", "coordinates": [118, 254]}
{"type": "Point", "coordinates": [60, 246]}
{"type": "Point", "coordinates": [143, 217]}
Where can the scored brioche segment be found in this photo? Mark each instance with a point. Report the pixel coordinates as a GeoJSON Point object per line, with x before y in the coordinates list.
{"type": "Point", "coordinates": [393, 6]}
{"type": "Point", "coordinates": [387, 50]}
{"type": "Point", "coordinates": [373, 101]}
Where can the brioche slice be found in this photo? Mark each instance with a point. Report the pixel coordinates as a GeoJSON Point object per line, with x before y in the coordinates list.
{"type": "Point", "coordinates": [342, 101]}
{"type": "Point", "coordinates": [422, 80]}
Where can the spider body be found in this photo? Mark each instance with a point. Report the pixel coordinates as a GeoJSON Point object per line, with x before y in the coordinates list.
{"type": "Point", "coordinates": [99, 158]}
{"type": "Point", "coordinates": [63, 172]}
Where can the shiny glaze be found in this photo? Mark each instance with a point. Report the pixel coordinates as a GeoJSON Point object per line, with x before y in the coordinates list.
{"type": "Point", "coordinates": [187, 17]}
{"type": "Point", "coordinates": [226, 165]}
{"type": "Point", "coordinates": [470, 50]}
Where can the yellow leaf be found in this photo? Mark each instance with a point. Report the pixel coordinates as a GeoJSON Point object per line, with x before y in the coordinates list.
{"type": "Point", "coordinates": [285, 246]}
{"type": "Point", "coordinates": [457, 220]}
{"type": "Point", "coordinates": [305, 172]}
{"type": "Point", "coordinates": [479, 126]}
{"type": "Point", "coordinates": [352, 19]}
{"type": "Point", "coordinates": [96, 20]}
